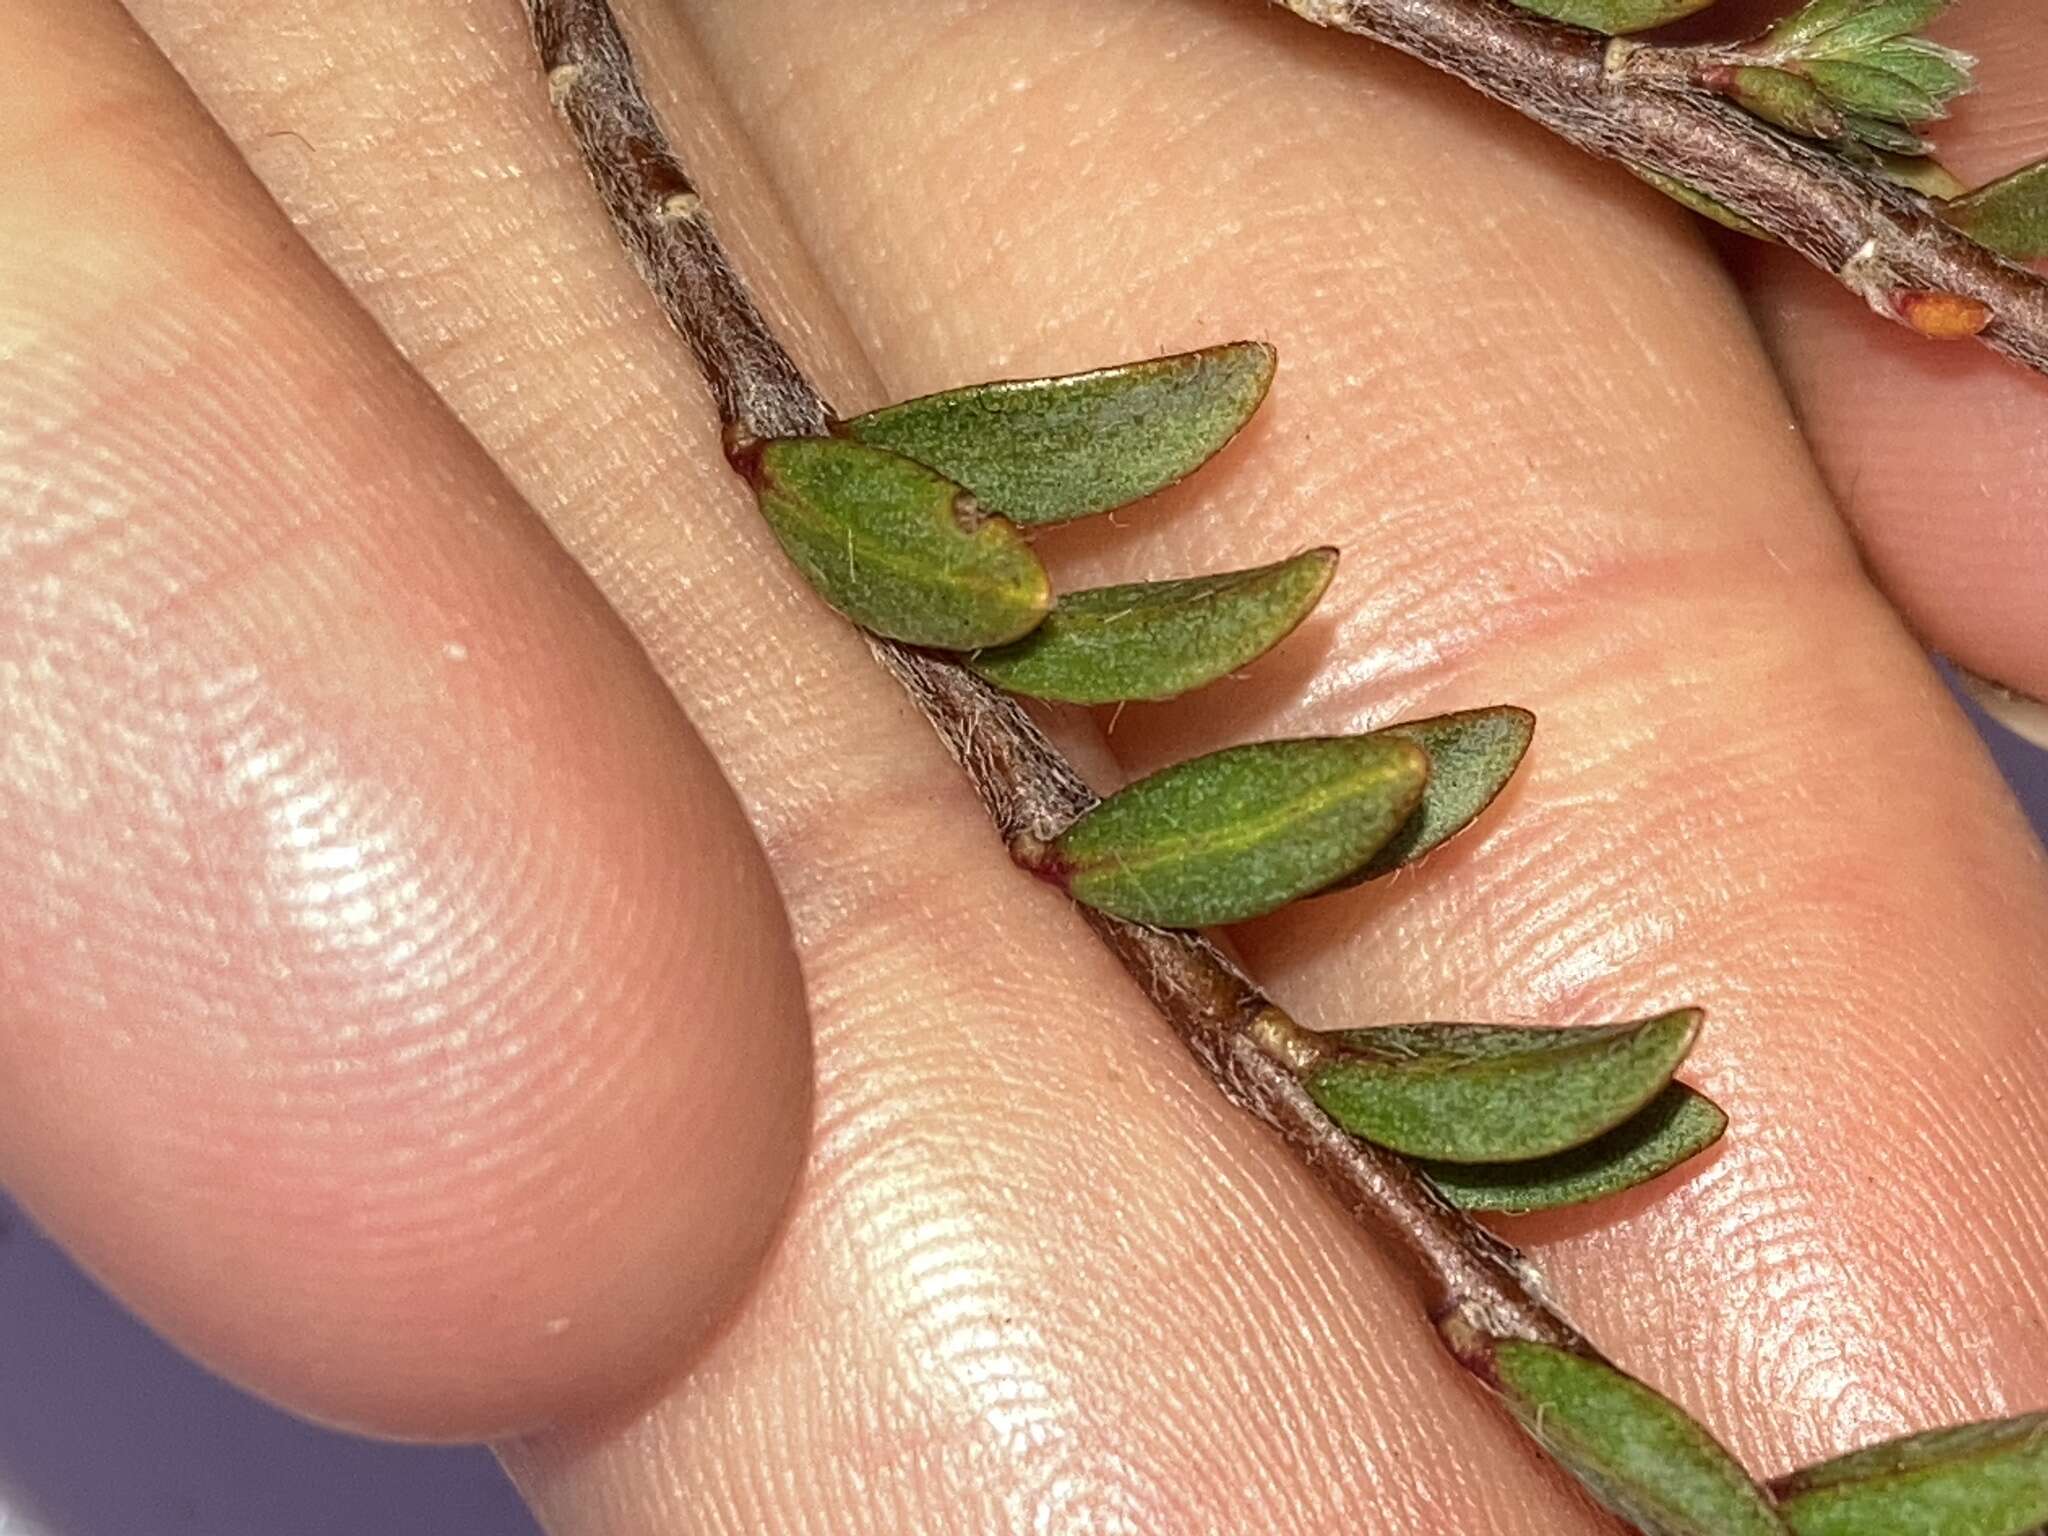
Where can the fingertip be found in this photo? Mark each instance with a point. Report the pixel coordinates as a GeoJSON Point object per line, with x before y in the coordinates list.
{"type": "Point", "coordinates": [1933, 451]}
{"type": "Point", "coordinates": [399, 1010]}
{"type": "Point", "coordinates": [418, 1042]}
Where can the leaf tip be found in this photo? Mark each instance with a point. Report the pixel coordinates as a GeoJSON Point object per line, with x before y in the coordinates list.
{"type": "Point", "coordinates": [1258, 362]}
{"type": "Point", "coordinates": [1715, 1123]}
{"type": "Point", "coordinates": [1262, 357]}
{"type": "Point", "coordinates": [1687, 1023]}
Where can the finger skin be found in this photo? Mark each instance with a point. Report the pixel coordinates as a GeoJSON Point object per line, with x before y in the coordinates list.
{"type": "Point", "coordinates": [396, 1007]}
{"type": "Point", "coordinates": [1040, 1279]}
{"type": "Point", "coordinates": [1936, 453]}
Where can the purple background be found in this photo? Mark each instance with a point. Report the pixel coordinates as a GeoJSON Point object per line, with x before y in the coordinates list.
{"type": "Point", "coordinates": [106, 1432]}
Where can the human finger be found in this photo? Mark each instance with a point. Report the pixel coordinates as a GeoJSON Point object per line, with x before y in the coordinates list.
{"type": "Point", "coordinates": [399, 1012]}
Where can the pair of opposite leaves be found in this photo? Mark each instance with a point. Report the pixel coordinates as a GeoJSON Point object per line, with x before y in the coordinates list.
{"type": "Point", "coordinates": [1846, 71]}
{"type": "Point", "coordinates": [907, 521]}
{"type": "Point", "coordinates": [1850, 72]}
{"type": "Point", "coordinates": [1649, 1462]}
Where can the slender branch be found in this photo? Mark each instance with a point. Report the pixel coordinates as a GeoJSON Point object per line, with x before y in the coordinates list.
{"type": "Point", "coordinates": [1616, 99]}
{"type": "Point", "coordinates": [658, 215]}
{"type": "Point", "coordinates": [1472, 1283]}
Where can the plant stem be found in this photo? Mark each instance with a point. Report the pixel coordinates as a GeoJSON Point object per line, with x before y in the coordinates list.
{"type": "Point", "coordinates": [1616, 99]}
{"type": "Point", "coordinates": [1472, 1283]}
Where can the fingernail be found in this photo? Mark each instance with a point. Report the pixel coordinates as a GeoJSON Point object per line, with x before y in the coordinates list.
{"type": "Point", "coordinates": [2025, 717]}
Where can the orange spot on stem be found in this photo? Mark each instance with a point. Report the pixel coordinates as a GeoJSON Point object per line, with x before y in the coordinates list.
{"type": "Point", "coordinates": [1941, 316]}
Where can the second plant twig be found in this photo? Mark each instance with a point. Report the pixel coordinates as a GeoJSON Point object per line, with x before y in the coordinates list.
{"type": "Point", "coordinates": [1882, 241]}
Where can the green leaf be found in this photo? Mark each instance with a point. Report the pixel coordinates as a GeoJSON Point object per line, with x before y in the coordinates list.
{"type": "Point", "coordinates": [1864, 68]}
{"type": "Point", "coordinates": [1050, 450]}
{"type": "Point", "coordinates": [1831, 28]}
{"type": "Point", "coordinates": [896, 548]}
{"type": "Point", "coordinates": [1924, 175]}
{"type": "Point", "coordinates": [1866, 91]}
{"type": "Point", "coordinates": [1698, 201]}
{"type": "Point", "coordinates": [1153, 640]}
{"type": "Point", "coordinates": [1942, 73]}
{"type": "Point", "coordinates": [1679, 1124]}
{"type": "Point", "coordinates": [1886, 138]}
{"type": "Point", "coordinates": [1793, 103]}
{"type": "Point", "coordinates": [1637, 1452]}
{"type": "Point", "coordinates": [1615, 17]}
{"type": "Point", "coordinates": [1472, 755]}
{"type": "Point", "coordinates": [1487, 1093]}
{"type": "Point", "coordinates": [1974, 1480]}
{"type": "Point", "coordinates": [2010, 215]}
{"type": "Point", "coordinates": [1240, 832]}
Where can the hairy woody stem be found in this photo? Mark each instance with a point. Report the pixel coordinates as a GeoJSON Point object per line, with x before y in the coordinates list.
{"type": "Point", "coordinates": [1612, 97]}
{"type": "Point", "coordinates": [1472, 1283]}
